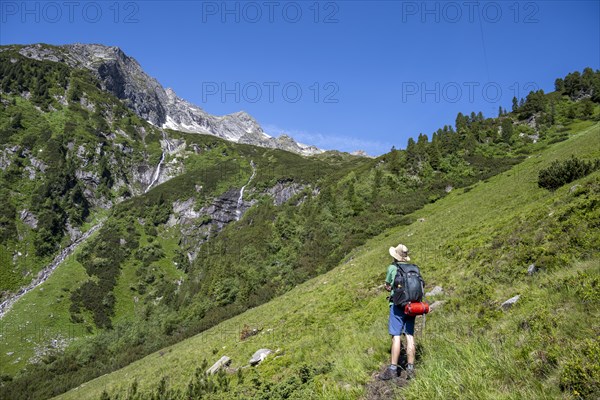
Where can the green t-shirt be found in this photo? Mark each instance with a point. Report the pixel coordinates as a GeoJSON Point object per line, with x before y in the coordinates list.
{"type": "Point", "coordinates": [389, 279]}
{"type": "Point", "coordinates": [391, 274]}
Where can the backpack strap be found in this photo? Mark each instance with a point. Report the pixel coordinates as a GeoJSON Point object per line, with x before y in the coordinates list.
{"type": "Point", "coordinates": [399, 266]}
{"type": "Point", "coordinates": [402, 265]}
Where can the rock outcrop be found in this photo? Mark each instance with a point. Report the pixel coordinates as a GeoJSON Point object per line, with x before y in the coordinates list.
{"type": "Point", "coordinates": [283, 191]}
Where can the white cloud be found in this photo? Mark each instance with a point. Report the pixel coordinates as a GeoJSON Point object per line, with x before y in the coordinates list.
{"type": "Point", "coordinates": [330, 141]}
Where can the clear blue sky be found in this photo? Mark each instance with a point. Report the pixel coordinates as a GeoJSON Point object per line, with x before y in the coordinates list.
{"type": "Point", "coordinates": [371, 74]}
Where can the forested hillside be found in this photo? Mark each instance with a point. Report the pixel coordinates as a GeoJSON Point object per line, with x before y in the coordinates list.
{"type": "Point", "coordinates": [193, 229]}
{"type": "Point", "coordinates": [482, 246]}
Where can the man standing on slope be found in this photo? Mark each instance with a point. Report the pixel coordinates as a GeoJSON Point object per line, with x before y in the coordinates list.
{"type": "Point", "coordinates": [399, 322]}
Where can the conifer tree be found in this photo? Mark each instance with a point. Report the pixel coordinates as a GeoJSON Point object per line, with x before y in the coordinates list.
{"type": "Point", "coordinates": [507, 131]}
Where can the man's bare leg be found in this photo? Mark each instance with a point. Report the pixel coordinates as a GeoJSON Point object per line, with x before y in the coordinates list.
{"type": "Point", "coordinates": [396, 345]}
{"type": "Point", "coordinates": [410, 348]}
{"type": "Point", "coordinates": [410, 351]}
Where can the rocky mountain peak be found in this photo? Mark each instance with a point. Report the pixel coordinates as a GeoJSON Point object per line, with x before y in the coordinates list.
{"type": "Point", "coordinates": [98, 53]}
{"type": "Point", "coordinates": [124, 77]}
{"type": "Point", "coordinates": [171, 93]}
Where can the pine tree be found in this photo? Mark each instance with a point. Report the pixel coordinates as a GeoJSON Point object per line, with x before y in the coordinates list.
{"type": "Point", "coordinates": [421, 147]}
{"type": "Point", "coordinates": [394, 161]}
{"type": "Point", "coordinates": [16, 121]}
{"type": "Point", "coordinates": [536, 102]}
{"type": "Point", "coordinates": [411, 152]}
{"type": "Point", "coordinates": [434, 152]}
{"type": "Point", "coordinates": [507, 131]}
{"type": "Point", "coordinates": [377, 178]}
{"type": "Point", "coordinates": [469, 142]}
{"type": "Point", "coordinates": [461, 122]}
{"type": "Point", "coordinates": [587, 108]}
{"type": "Point", "coordinates": [515, 104]}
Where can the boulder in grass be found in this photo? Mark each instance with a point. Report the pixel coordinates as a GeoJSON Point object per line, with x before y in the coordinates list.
{"type": "Point", "coordinates": [222, 363]}
{"type": "Point", "coordinates": [259, 356]}
{"type": "Point", "coordinates": [510, 302]}
{"type": "Point", "coordinates": [532, 269]}
{"type": "Point", "coordinates": [435, 291]}
{"type": "Point", "coordinates": [436, 305]}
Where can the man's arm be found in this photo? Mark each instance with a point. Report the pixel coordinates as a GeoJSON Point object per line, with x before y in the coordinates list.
{"type": "Point", "coordinates": [389, 278]}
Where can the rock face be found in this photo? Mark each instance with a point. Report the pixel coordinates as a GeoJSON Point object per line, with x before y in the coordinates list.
{"type": "Point", "coordinates": [124, 77]}
{"type": "Point", "coordinates": [199, 225]}
{"type": "Point", "coordinates": [29, 219]}
{"type": "Point", "coordinates": [223, 209]}
{"type": "Point", "coordinates": [283, 191]}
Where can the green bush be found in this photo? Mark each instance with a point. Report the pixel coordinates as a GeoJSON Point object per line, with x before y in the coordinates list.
{"type": "Point", "coordinates": [560, 173]}
{"type": "Point", "coordinates": [581, 373]}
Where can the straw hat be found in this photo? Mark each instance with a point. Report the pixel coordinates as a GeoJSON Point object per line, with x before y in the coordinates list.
{"type": "Point", "coordinates": [400, 253]}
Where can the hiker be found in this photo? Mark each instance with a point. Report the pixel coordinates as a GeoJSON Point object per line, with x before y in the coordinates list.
{"type": "Point", "coordinates": [400, 323]}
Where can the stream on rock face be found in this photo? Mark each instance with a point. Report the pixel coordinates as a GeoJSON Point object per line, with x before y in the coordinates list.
{"type": "Point", "coordinates": [156, 172]}
{"type": "Point", "coordinates": [156, 175]}
{"type": "Point", "coordinates": [45, 273]}
{"type": "Point", "coordinates": [240, 202]}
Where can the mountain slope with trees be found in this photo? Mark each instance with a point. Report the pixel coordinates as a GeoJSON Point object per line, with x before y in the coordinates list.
{"type": "Point", "coordinates": [179, 255]}
{"type": "Point", "coordinates": [482, 244]}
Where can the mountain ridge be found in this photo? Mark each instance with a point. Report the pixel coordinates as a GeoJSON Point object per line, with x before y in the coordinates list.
{"type": "Point", "coordinates": [123, 76]}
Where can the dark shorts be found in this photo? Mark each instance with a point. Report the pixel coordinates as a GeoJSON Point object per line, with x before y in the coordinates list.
{"type": "Point", "coordinates": [399, 322]}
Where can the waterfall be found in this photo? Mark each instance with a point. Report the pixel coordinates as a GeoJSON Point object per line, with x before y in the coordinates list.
{"type": "Point", "coordinates": [240, 202]}
{"type": "Point", "coordinates": [156, 172]}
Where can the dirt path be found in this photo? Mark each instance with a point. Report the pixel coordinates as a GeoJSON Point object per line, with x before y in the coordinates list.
{"type": "Point", "coordinates": [377, 389]}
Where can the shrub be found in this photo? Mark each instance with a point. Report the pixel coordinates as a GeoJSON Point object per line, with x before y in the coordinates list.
{"type": "Point", "coordinates": [560, 173]}
{"type": "Point", "coordinates": [581, 373]}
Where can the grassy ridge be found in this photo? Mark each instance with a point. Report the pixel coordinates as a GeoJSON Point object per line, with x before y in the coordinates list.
{"type": "Point", "coordinates": [476, 243]}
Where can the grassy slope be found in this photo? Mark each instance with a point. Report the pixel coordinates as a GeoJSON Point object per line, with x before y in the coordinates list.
{"type": "Point", "coordinates": [340, 317]}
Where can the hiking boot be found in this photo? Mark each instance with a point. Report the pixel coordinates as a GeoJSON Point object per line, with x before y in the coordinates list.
{"type": "Point", "coordinates": [410, 372]}
{"type": "Point", "coordinates": [389, 373]}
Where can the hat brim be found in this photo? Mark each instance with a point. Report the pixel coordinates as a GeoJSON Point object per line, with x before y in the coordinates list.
{"type": "Point", "coordinates": [396, 256]}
